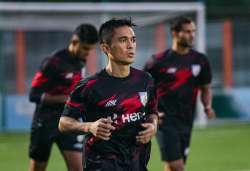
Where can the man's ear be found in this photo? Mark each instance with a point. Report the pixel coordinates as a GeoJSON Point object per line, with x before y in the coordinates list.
{"type": "Point", "coordinates": [75, 40]}
{"type": "Point", "coordinates": [174, 33]}
{"type": "Point", "coordinates": [105, 48]}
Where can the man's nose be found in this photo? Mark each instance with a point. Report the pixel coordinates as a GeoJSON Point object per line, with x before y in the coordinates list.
{"type": "Point", "coordinates": [130, 44]}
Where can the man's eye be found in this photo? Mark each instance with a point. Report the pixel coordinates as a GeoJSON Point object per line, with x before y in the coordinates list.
{"type": "Point", "coordinates": [123, 40]}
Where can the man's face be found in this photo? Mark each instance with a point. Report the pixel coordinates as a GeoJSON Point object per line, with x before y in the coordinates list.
{"type": "Point", "coordinates": [185, 37]}
{"type": "Point", "coordinates": [81, 50]}
{"type": "Point", "coordinates": [123, 46]}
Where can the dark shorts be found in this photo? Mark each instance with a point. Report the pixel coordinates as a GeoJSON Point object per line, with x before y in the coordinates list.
{"type": "Point", "coordinates": [44, 134]}
{"type": "Point", "coordinates": [174, 142]}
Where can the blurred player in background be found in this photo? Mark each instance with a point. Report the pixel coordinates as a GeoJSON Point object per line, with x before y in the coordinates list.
{"type": "Point", "coordinates": [118, 105]}
{"type": "Point", "coordinates": [179, 73]}
{"type": "Point", "coordinates": [51, 87]}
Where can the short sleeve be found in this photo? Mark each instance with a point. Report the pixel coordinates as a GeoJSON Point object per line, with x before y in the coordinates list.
{"type": "Point", "coordinates": [152, 98]}
{"type": "Point", "coordinates": [205, 76]}
{"type": "Point", "coordinates": [75, 106]}
{"type": "Point", "coordinates": [41, 80]}
{"type": "Point", "coordinates": [149, 66]}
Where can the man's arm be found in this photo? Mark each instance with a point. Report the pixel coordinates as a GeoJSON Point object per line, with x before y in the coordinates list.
{"type": "Point", "coordinates": [101, 128]}
{"type": "Point", "coordinates": [151, 124]}
{"type": "Point", "coordinates": [206, 99]}
{"type": "Point", "coordinates": [38, 96]}
{"type": "Point", "coordinates": [50, 99]}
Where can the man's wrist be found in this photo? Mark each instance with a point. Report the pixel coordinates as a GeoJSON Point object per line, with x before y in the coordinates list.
{"type": "Point", "coordinates": [86, 128]}
{"type": "Point", "coordinates": [207, 107]}
{"type": "Point", "coordinates": [154, 121]}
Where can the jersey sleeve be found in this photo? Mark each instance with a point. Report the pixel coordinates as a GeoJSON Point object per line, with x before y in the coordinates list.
{"type": "Point", "coordinates": [150, 66]}
{"type": "Point", "coordinates": [75, 106]}
{"type": "Point", "coordinates": [152, 98]}
{"type": "Point", "coordinates": [205, 76]}
{"type": "Point", "coordinates": [41, 80]}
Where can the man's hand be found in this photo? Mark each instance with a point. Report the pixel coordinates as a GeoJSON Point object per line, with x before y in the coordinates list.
{"type": "Point", "coordinates": [210, 112]}
{"type": "Point", "coordinates": [102, 128]}
{"type": "Point", "coordinates": [206, 99]}
{"type": "Point", "coordinates": [146, 135]}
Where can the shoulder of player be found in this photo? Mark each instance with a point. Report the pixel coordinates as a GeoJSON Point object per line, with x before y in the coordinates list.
{"type": "Point", "coordinates": [199, 57]}
{"type": "Point", "coordinates": [161, 55]}
{"type": "Point", "coordinates": [84, 86]}
{"type": "Point", "coordinates": [59, 55]}
{"type": "Point", "coordinates": [57, 58]}
{"type": "Point", "coordinates": [142, 74]}
{"type": "Point", "coordinates": [46, 62]}
{"type": "Point", "coordinates": [60, 52]}
{"type": "Point", "coordinates": [52, 62]}
{"type": "Point", "coordinates": [198, 54]}
{"type": "Point", "coordinates": [52, 59]}
{"type": "Point", "coordinates": [156, 59]}
{"type": "Point", "coordinates": [89, 81]}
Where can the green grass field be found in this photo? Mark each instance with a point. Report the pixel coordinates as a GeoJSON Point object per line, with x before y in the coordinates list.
{"type": "Point", "coordinates": [216, 148]}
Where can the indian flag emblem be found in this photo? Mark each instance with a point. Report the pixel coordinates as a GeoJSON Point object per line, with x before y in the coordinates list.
{"type": "Point", "coordinates": [143, 97]}
{"type": "Point", "coordinates": [196, 69]}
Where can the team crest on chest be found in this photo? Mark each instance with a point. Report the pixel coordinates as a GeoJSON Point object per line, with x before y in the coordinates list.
{"type": "Point", "coordinates": [171, 70]}
{"type": "Point", "coordinates": [69, 75]}
{"type": "Point", "coordinates": [196, 68]}
{"type": "Point", "coordinates": [143, 98]}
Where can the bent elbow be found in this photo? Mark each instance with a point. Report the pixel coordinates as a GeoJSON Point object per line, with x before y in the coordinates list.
{"type": "Point", "coordinates": [35, 97]}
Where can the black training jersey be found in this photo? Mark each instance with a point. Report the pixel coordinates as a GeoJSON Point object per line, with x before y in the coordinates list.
{"type": "Point", "coordinates": [127, 101]}
{"type": "Point", "coordinates": [58, 75]}
{"type": "Point", "coordinates": [177, 78]}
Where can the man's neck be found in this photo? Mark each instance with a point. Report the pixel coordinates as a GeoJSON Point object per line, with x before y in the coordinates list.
{"type": "Point", "coordinates": [180, 49]}
{"type": "Point", "coordinates": [117, 70]}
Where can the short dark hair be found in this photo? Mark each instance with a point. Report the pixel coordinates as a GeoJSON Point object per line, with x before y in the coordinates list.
{"type": "Point", "coordinates": [107, 28]}
{"type": "Point", "coordinates": [177, 24]}
{"type": "Point", "coordinates": [87, 33]}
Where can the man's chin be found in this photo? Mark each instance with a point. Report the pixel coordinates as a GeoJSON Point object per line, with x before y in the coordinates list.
{"type": "Point", "coordinates": [186, 45]}
{"type": "Point", "coordinates": [126, 62]}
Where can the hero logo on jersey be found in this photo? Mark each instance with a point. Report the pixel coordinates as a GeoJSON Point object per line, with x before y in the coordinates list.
{"type": "Point", "coordinates": [127, 117]}
{"type": "Point", "coordinates": [196, 69]}
{"type": "Point", "coordinates": [143, 97]}
{"type": "Point", "coordinates": [133, 117]}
